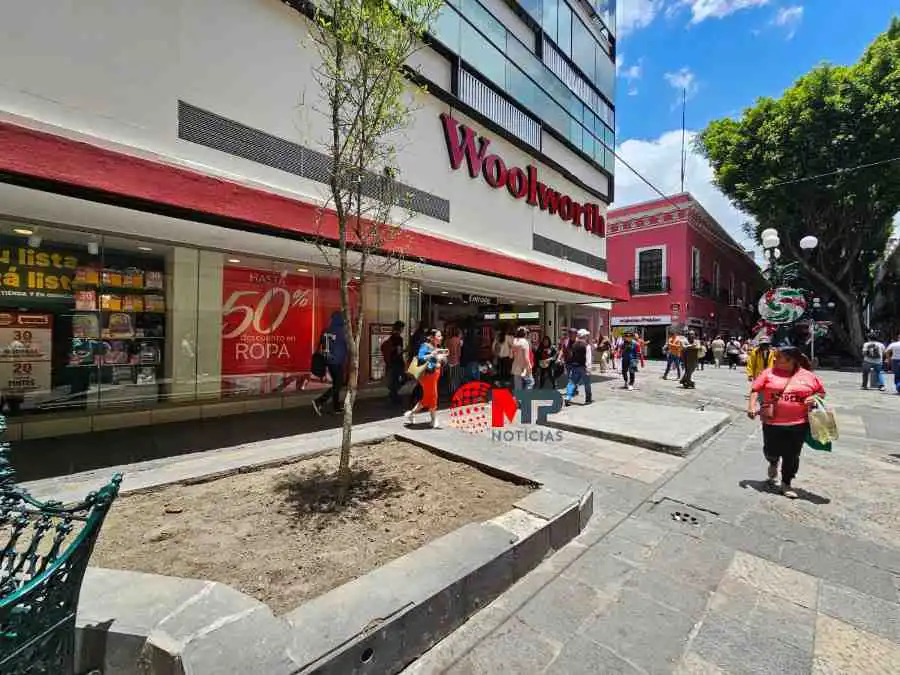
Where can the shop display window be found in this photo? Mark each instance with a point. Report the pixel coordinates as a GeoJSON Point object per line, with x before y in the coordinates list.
{"type": "Point", "coordinates": [95, 323]}
{"type": "Point", "coordinates": [79, 322]}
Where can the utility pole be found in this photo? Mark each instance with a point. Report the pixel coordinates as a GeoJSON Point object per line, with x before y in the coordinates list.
{"type": "Point", "coordinates": [683, 154]}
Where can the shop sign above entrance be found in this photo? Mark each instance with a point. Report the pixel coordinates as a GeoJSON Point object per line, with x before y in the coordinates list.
{"type": "Point", "coordinates": [520, 183]}
{"type": "Point", "coordinates": [650, 320]}
{"type": "Point", "coordinates": [478, 299]}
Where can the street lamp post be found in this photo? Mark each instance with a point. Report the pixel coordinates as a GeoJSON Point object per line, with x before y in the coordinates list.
{"type": "Point", "coordinates": [816, 305]}
{"type": "Point", "coordinates": [771, 241]}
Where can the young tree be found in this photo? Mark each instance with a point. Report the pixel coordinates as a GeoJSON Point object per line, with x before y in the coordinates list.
{"type": "Point", "coordinates": [365, 95]}
{"type": "Point", "coordinates": [822, 160]}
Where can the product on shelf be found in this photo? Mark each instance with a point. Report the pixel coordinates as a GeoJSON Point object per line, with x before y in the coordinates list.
{"type": "Point", "coordinates": [154, 303]}
{"type": "Point", "coordinates": [111, 302]}
{"type": "Point", "coordinates": [86, 300]}
{"type": "Point", "coordinates": [120, 326]}
{"type": "Point", "coordinates": [85, 326]}
{"type": "Point", "coordinates": [88, 276]}
{"type": "Point", "coordinates": [82, 353]}
{"type": "Point", "coordinates": [153, 280]}
{"type": "Point", "coordinates": [146, 375]}
{"type": "Point", "coordinates": [115, 353]}
{"type": "Point", "coordinates": [112, 278]}
{"type": "Point", "coordinates": [133, 278]}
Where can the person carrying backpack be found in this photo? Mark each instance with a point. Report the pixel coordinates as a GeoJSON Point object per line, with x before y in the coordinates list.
{"type": "Point", "coordinates": [873, 360]}
{"type": "Point", "coordinates": [333, 346]}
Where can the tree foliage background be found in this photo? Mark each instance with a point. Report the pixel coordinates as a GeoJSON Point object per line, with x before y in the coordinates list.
{"type": "Point", "coordinates": [822, 160]}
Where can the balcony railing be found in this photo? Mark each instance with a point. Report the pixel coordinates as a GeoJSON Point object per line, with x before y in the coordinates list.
{"type": "Point", "coordinates": [648, 286]}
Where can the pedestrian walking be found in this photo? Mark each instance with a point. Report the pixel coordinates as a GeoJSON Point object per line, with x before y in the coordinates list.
{"type": "Point", "coordinates": [631, 355]}
{"type": "Point", "coordinates": [577, 366]}
{"type": "Point", "coordinates": [604, 347]}
{"type": "Point", "coordinates": [546, 359]}
{"type": "Point", "coordinates": [333, 346]}
{"type": "Point", "coordinates": [761, 358]}
{"type": "Point", "coordinates": [454, 359]}
{"type": "Point", "coordinates": [873, 360]}
{"type": "Point", "coordinates": [394, 364]}
{"type": "Point", "coordinates": [432, 357]}
{"type": "Point", "coordinates": [502, 350]}
{"type": "Point", "coordinates": [691, 356]}
{"type": "Point", "coordinates": [718, 350]}
{"type": "Point", "coordinates": [892, 357]}
{"type": "Point", "coordinates": [674, 352]}
{"type": "Point", "coordinates": [782, 397]}
{"type": "Point", "coordinates": [522, 365]}
{"type": "Point", "coordinates": [733, 353]}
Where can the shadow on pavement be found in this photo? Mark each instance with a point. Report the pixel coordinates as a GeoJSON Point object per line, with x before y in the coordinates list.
{"type": "Point", "coordinates": [48, 457]}
{"type": "Point", "coordinates": [804, 495]}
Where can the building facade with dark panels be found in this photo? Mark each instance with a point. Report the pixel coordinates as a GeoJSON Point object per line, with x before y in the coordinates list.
{"type": "Point", "coordinates": [682, 269]}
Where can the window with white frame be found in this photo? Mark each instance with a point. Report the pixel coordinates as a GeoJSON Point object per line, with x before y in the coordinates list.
{"type": "Point", "coordinates": [695, 269]}
{"type": "Point", "coordinates": [650, 269]}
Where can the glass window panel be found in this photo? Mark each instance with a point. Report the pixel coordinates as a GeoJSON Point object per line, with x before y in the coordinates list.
{"type": "Point", "coordinates": [610, 163]}
{"type": "Point", "coordinates": [533, 7]}
{"type": "Point", "coordinates": [598, 153]}
{"type": "Point", "coordinates": [521, 88]}
{"type": "Point", "coordinates": [583, 47]}
{"type": "Point", "coordinates": [609, 137]}
{"type": "Point", "coordinates": [588, 144]}
{"type": "Point", "coordinates": [550, 19]}
{"type": "Point", "coordinates": [575, 133]}
{"type": "Point", "coordinates": [481, 55]}
{"type": "Point", "coordinates": [446, 28]}
{"type": "Point", "coordinates": [564, 38]}
{"type": "Point", "coordinates": [487, 24]}
{"type": "Point", "coordinates": [605, 76]}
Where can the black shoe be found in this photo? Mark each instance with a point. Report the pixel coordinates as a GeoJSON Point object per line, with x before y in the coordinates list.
{"type": "Point", "coordinates": [589, 401]}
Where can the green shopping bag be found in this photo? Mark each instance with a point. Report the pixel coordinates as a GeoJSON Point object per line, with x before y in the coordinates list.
{"type": "Point", "coordinates": [822, 428]}
{"type": "Point", "coordinates": [816, 445]}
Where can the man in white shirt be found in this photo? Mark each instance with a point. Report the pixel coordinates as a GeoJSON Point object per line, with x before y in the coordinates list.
{"type": "Point", "coordinates": [873, 360]}
{"type": "Point", "coordinates": [892, 356]}
{"type": "Point", "coordinates": [522, 369]}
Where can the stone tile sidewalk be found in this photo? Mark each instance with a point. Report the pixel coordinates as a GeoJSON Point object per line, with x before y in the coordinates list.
{"type": "Point", "coordinates": [742, 581]}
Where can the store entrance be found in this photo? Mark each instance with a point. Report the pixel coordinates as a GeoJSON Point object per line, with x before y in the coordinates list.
{"type": "Point", "coordinates": [479, 320]}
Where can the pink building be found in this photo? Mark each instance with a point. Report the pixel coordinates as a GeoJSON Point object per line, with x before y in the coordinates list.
{"type": "Point", "coordinates": [682, 270]}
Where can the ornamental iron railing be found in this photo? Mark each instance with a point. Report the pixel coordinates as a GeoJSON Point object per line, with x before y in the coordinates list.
{"type": "Point", "coordinates": [45, 547]}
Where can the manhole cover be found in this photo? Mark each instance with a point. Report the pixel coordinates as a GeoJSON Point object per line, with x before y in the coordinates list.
{"type": "Point", "coordinates": [684, 517]}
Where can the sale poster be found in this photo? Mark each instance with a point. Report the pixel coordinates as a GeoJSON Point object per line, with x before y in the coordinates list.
{"type": "Point", "coordinates": [267, 330]}
{"type": "Point", "coordinates": [25, 355]}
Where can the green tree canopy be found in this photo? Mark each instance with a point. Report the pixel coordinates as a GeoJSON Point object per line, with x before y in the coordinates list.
{"type": "Point", "coordinates": [822, 160]}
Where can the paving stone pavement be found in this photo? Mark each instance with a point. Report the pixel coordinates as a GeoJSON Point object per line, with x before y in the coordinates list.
{"type": "Point", "coordinates": [744, 581]}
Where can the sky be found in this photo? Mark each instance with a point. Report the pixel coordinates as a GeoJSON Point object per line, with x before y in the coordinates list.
{"type": "Point", "coordinates": [725, 54]}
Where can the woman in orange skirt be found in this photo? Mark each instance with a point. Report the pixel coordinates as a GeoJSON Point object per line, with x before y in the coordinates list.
{"type": "Point", "coordinates": [432, 356]}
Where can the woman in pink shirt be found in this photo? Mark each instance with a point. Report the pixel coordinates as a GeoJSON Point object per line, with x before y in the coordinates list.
{"type": "Point", "coordinates": [785, 392]}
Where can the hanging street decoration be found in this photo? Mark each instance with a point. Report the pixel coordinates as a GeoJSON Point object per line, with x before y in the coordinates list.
{"type": "Point", "coordinates": [782, 305]}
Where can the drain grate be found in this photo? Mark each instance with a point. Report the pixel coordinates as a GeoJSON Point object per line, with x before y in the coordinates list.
{"type": "Point", "coordinates": [684, 517]}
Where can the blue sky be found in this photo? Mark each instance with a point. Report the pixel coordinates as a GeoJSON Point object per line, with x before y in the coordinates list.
{"type": "Point", "coordinates": [727, 53]}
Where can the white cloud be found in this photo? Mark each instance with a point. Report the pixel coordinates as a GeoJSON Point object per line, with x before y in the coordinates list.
{"type": "Point", "coordinates": [633, 15]}
{"type": "Point", "coordinates": [701, 10]}
{"type": "Point", "coordinates": [789, 18]}
{"type": "Point", "coordinates": [659, 161]}
{"type": "Point", "coordinates": [683, 80]}
{"type": "Point", "coordinates": [630, 75]}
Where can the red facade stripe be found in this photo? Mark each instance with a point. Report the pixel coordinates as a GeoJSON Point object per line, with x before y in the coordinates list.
{"type": "Point", "coordinates": [40, 155]}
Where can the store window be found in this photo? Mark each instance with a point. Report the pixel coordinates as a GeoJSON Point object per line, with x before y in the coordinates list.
{"type": "Point", "coordinates": [98, 323]}
{"type": "Point", "coordinates": [82, 322]}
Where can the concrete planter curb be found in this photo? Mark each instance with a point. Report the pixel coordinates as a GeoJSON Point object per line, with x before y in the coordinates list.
{"type": "Point", "coordinates": [129, 622]}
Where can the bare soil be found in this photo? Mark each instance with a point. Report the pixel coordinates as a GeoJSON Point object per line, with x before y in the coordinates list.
{"type": "Point", "coordinates": [278, 535]}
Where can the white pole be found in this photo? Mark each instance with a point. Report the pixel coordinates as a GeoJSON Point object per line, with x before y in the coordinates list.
{"type": "Point", "coordinates": [812, 345]}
